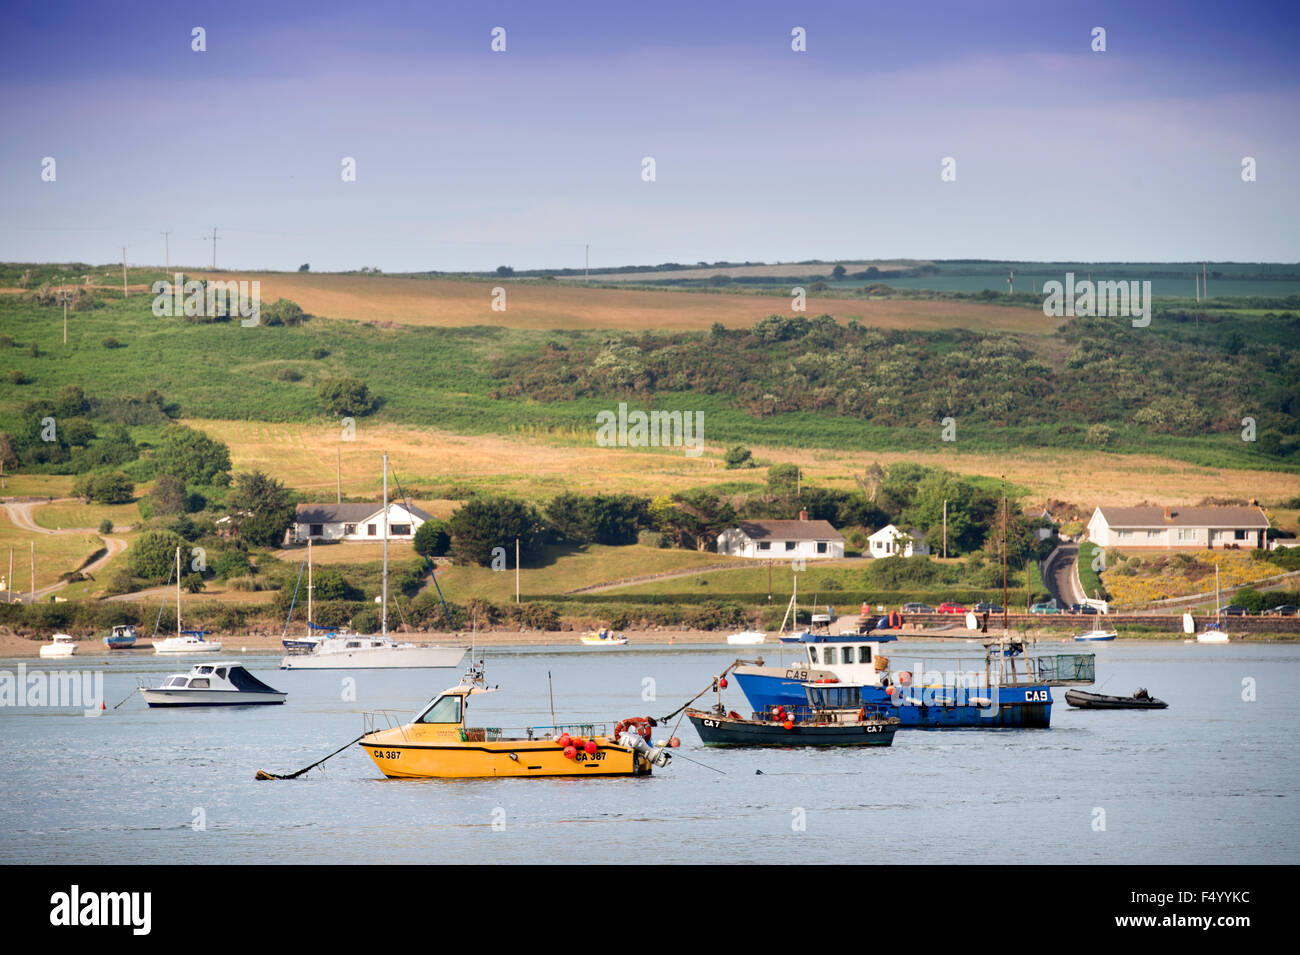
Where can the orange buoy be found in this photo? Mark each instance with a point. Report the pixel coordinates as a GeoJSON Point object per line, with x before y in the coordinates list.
{"type": "Point", "coordinates": [674, 742]}
{"type": "Point", "coordinates": [789, 725]}
{"type": "Point", "coordinates": [590, 747]}
{"type": "Point", "coordinates": [564, 740]}
{"type": "Point", "coordinates": [570, 752]}
{"type": "Point", "coordinates": [723, 682]}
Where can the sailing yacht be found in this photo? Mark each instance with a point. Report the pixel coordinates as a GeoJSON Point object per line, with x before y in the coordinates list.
{"type": "Point", "coordinates": [1214, 632]}
{"type": "Point", "coordinates": [350, 651]}
{"type": "Point", "coordinates": [185, 641]}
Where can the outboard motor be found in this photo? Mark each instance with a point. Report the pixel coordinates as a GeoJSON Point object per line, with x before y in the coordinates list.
{"type": "Point", "coordinates": [654, 755]}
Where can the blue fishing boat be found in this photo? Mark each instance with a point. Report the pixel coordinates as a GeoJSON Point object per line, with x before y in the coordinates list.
{"type": "Point", "coordinates": [1008, 688]}
{"type": "Point", "coordinates": [123, 637]}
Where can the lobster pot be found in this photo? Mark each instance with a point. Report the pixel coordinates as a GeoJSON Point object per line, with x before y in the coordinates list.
{"type": "Point", "coordinates": [882, 663]}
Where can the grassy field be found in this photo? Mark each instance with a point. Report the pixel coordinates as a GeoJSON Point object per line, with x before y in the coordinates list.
{"type": "Point", "coordinates": [56, 554]}
{"type": "Point", "coordinates": [541, 465]}
{"type": "Point", "coordinates": [565, 570]}
{"type": "Point", "coordinates": [73, 514]}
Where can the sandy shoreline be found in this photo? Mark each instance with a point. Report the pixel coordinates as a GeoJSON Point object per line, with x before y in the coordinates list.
{"type": "Point", "coordinates": [14, 646]}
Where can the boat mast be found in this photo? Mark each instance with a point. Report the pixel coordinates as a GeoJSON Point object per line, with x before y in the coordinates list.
{"type": "Point", "coordinates": [308, 586]}
{"type": "Point", "coordinates": [1004, 557]}
{"type": "Point", "coordinates": [384, 612]}
{"type": "Point", "coordinates": [178, 592]}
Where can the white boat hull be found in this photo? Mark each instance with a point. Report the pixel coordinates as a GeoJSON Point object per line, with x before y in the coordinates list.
{"type": "Point", "coordinates": [593, 642]}
{"type": "Point", "coordinates": [1211, 638]}
{"type": "Point", "coordinates": [377, 658]}
{"type": "Point", "coordinates": [197, 646]}
{"type": "Point", "coordinates": [48, 650]}
{"type": "Point", "coordinates": [746, 638]}
{"type": "Point", "coordinates": [186, 697]}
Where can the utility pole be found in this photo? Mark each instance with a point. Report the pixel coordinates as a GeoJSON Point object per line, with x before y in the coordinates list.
{"type": "Point", "coordinates": [125, 292]}
{"type": "Point", "coordinates": [587, 262]}
{"type": "Point", "coordinates": [33, 571]}
{"type": "Point", "coordinates": [167, 252]}
{"type": "Point", "coordinates": [1011, 287]}
{"type": "Point", "coordinates": [63, 294]}
{"type": "Point", "coordinates": [945, 528]}
{"type": "Point", "coordinates": [516, 570]}
{"type": "Point", "coordinates": [340, 474]}
{"type": "Point", "coordinates": [214, 248]}
{"type": "Point", "coordinates": [1205, 291]}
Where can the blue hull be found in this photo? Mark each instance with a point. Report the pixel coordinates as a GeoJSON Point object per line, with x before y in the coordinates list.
{"type": "Point", "coordinates": [1028, 706]}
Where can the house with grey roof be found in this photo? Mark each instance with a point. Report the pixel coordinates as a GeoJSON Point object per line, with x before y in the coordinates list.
{"type": "Point", "coordinates": [1209, 528]}
{"type": "Point", "coordinates": [355, 522]}
{"type": "Point", "coordinates": [782, 539]}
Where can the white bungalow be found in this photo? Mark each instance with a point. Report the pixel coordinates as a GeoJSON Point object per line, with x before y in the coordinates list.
{"type": "Point", "coordinates": [355, 522]}
{"type": "Point", "coordinates": [1173, 527]}
{"type": "Point", "coordinates": [889, 541]}
{"type": "Point", "coordinates": [782, 539]}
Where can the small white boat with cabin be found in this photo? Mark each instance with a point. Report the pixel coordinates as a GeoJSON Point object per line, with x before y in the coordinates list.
{"type": "Point", "coordinates": [747, 638]}
{"type": "Point", "coordinates": [60, 645]}
{"type": "Point", "coordinates": [603, 638]}
{"type": "Point", "coordinates": [212, 684]}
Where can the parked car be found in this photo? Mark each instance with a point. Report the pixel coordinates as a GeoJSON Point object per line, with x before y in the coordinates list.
{"type": "Point", "coordinates": [1233, 610]}
{"type": "Point", "coordinates": [1286, 610]}
{"type": "Point", "coordinates": [948, 607]}
{"type": "Point", "coordinates": [1081, 608]}
{"type": "Point", "coordinates": [986, 608]}
{"type": "Point", "coordinates": [1045, 608]}
{"type": "Point", "coordinates": [917, 608]}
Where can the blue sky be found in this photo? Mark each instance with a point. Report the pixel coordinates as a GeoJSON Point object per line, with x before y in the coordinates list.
{"type": "Point", "coordinates": [469, 159]}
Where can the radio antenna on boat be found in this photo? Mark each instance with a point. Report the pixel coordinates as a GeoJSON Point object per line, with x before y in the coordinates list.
{"type": "Point", "coordinates": [551, 688]}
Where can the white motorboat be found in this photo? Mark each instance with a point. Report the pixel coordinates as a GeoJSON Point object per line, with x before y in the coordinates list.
{"type": "Point", "coordinates": [212, 684]}
{"type": "Point", "coordinates": [603, 638]}
{"type": "Point", "coordinates": [1096, 636]}
{"type": "Point", "coordinates": [747, 638]}
{"type": "Point", "coordinates": [351, 651]}
{"type": "Point", "coordinates": [60, 645]}
{"type": "Point", "coordinates": [185, 641]}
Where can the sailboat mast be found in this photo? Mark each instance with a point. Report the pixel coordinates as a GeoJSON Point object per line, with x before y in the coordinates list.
{"type": "Point", "coordinates": [178, 591]}
{"type": "Point", "coordinates": [309, 608]}
{"type": "Point", "coordinates": [384, 612]}
{"type": "Point", "coordinates": [1004, 556]}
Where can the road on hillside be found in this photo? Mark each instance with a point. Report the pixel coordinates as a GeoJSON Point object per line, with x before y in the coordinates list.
{"type": "Point", "coordinates": [1059, 577]}
{"type": "Point", "coordinates": [20, 513]}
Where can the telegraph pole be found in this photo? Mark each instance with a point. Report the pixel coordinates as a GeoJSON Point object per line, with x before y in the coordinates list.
{"type": "Point", "coordinates": [945, 528]}
{"type": "Point", "coordinates": [125, 292]}
{"type": "Point", "coordinates": [516, 570]}
{"type": "Point", "coordinates": [587, 262]}
{"type": "Point", "coordinates": [214, 248]}
{"type": "Point", "coordinates": [167, 252]}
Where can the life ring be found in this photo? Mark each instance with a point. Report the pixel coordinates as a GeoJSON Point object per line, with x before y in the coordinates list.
{"type": "Point", "coordinates": [641, 723]}
{"type": "Point", "coordinates": [828, 679]}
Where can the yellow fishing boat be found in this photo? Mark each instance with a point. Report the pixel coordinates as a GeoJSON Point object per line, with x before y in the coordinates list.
{"type": "Point", "coordinates": [438, 744]}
